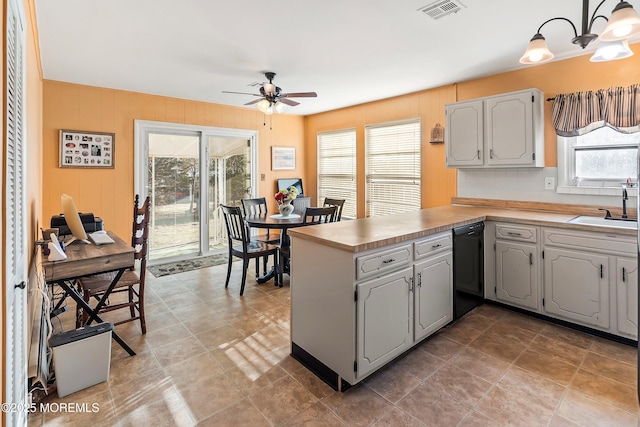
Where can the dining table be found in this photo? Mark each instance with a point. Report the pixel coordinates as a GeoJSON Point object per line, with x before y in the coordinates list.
{"type": "Point", "coordinates": [277, 222]}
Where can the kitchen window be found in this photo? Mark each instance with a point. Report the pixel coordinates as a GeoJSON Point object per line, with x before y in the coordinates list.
{"type": "Point", "coordinates": [337, 169]}
{"type": "Point", "coordinates": [599, 159]}
{"type": "Point", "coordinates": [393, 170]}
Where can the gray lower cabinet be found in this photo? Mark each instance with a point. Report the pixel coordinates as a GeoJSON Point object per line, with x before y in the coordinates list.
{"type": "Point", "coordinates": [627, 296]}
{"type": "Point", "coordinates": [517, 274]}
{"type": "Point", "coordinates": [355, 312]}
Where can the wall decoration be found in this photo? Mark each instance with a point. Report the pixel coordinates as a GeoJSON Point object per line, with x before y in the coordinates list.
{"type": "Point", "coordinates": [84, 149]}
{"type": "Point", "coordinates": [437, 134]}
{"type": "Point", "coordinates": [283, 158]}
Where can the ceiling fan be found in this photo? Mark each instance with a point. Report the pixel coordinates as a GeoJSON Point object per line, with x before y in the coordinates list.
{"type": "Point", "coordinates": [271, 97]}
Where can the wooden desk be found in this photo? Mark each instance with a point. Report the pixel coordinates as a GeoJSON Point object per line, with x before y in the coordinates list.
{"type": "Point", "coordinates": [87, 259]}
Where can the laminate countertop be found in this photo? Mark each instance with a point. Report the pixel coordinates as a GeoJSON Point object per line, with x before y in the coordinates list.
{"type": "Point", "coordinates": [375, 232]}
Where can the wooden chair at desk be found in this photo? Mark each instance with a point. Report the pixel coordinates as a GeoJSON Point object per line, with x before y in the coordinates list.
{"type": "Point", "coordinates": [311, 216]}
{"type": "Point", "coordinates": [94, 286]}
{"type": "Point", "coordinates": [258, 206]}
{"type": "Point", "coordinates": [238, 232]}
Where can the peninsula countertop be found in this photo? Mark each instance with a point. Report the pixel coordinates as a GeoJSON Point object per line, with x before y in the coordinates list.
{"type": "Point", "coordinates": [373, 232]}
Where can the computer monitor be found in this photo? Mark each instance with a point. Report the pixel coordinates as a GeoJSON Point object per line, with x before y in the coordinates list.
{"type": "Point", "coordinates": [73, 220]}
{"type": "Point", "coordinates": [284, 183]}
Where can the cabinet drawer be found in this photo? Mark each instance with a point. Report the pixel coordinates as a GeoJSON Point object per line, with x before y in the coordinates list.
{"type": "Point", "coordinates": [432, 245]}
{"type": "Point", "coordinates": [594, 242]}
{"type": "Point", "coordinates": [517, 232]}
{"type": "Point", "coordinates": [383, 262]}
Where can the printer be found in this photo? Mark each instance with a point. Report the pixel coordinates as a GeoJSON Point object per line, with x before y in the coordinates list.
{"type": "Point", "coordinates": [90, 223]}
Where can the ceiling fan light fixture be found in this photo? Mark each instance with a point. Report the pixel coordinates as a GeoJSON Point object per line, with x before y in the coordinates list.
{"type": "Point", "coordinates": [280, 107]}
{"type": "Point", "coordinates": [537, 52]}
{"type": "Point", "coordinates": [264, 106]}
{"type": "Point", "coordinates": [624, 23]}
{"type": "Point", "coordinates": [609, 51]}
{"type": "Point", "coordinates": [269, 88]}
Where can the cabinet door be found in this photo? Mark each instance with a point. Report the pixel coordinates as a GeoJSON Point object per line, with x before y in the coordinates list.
{"type": "Point", "coordinates": [509, 129]}
{"type": "Point", "coordinates": [464, 134]}
{"type": "Point", "coordinates": [433, 295]}
{"type": "Point", "coordinates": [517, 274]}
{"type": "Point", "coordinates": [576, 286]}
{"type": "Point", "coordinates": [627, 296]}
{"type": "Point", "coordinates": [385, 319]}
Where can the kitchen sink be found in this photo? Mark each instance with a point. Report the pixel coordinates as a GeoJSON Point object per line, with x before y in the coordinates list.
{"type": "Point", "coordinates": [602, 222]}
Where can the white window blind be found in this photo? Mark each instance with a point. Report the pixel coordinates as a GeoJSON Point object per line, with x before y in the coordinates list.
{"type": "Point", "coordinates": [337, 169]}
{"type": "Point", "coordinates": [393, 168]}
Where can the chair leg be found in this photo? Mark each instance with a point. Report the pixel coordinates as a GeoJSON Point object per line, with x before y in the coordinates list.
{"type": "Point", "coordinates": [278, 268]}
{"type": "Point", "coordinates": [143, 323]}
{"type": "Point", "coordinates": [132, 309]}
{"type": "Point", "coordinates": [264, 264]}
{"type": "Point", "coordinates": [226, 283]}
{"type": "Point", "coordinates": [258, 267]}
{"type": "Point", "coordinates": [245, 266]}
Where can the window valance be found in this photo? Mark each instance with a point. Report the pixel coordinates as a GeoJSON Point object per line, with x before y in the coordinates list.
{"type": "Point", "coordinates": [581, 112]}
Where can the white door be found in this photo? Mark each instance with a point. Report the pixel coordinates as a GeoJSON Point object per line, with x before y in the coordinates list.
{"type": "Point", "coordinates": [517, 274]}
{"type": "Point", "coordinates": [188, 171]}
{"type": "Point", "coordinates": [385, 319]}
{"type": "Point", "coordinates": [627, 291]}
{"type": "Point", "coordinates": [509, 129]}
{"type": "Point", "coordinates": [464, 134]}
{"type": "Point", "coordinates": [15, 251]}
{"type": "Point", "coordinates": [576, 286]}
{"type": "Point", "coordinates": [434, 295]}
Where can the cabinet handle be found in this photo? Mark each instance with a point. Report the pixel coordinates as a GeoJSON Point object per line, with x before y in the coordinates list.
{"type": "Point", "coordinates": [624, 278]}
{"type": "Point", "coordinates": [491, 153]}
{"type": "Point", "coordinates": [478, 154]}
{"type": "Point", "coordinates": [420, 279]}
{"type": "Point", "coordinates": [436, 246]}
{"type": "Point", "coordinates": [530, 259]}
{"type": "Point", "coordinates": [601, 271]}
{"type": "Point", "coordinates": [511, 233]}
{"type": "Point", "coordinates": [388, 261]}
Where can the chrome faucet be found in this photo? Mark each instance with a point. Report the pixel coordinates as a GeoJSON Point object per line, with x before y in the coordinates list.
{"type": "Point", "coordinates": [625, 197]}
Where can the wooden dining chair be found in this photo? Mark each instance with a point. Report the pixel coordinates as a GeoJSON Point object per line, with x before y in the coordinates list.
{"type": "Point", "coordinates": [339, 203]}
{"type": "Point", "coordinates": [300, 204]}
{"type": "Point", "coordinates": [242, 246]}
{"type": "Point", "coordinates": [258, 206]}
{"type": "Point", "coordinates": [131, 282]}
{"type": "Point", "coordinates": [311, 216]}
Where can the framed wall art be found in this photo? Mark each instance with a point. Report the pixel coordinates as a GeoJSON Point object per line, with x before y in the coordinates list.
{"type": "Point", "coordinates": [283, 158]}
{"type": "Point", "coordinates": [84, 149]}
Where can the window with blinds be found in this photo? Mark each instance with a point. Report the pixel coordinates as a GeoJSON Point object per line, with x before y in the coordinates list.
{"type": "Point", "coordinates": [393, 169]}
{"type": "Point", "coordinates": [337, 169]}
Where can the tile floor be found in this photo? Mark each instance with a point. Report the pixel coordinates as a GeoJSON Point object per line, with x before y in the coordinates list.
{"type": "Point", "coordinates": [212, 358]}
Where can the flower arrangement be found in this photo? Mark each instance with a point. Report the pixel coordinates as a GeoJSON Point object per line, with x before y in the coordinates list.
{"type": "Point", "coordinates": [286, 194]}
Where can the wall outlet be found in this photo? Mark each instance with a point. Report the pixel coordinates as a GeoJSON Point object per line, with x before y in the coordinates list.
{"type": "Point", "coordinates": [549, 183]}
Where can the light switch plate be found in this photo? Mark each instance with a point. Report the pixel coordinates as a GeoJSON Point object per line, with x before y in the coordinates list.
{"type": "Point", "coordinates": [549, 183]}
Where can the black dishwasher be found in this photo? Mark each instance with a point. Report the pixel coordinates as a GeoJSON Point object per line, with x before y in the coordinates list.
{"type": "Point", "coordinates": [468, 268]}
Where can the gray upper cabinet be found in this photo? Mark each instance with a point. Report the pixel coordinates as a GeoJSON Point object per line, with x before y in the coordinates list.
{"type": "Point", "coordinates": [498, 131]}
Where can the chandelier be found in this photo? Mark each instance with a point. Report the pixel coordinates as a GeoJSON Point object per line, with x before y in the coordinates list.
{"type": "Point", "coordinates": [614, 40]}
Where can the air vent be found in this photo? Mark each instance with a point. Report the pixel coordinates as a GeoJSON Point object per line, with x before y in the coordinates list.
{"type": "Point", "coordinates": [442, 8]}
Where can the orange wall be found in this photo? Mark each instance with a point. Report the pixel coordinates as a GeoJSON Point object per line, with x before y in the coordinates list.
{"type": "Point", "coordinates": [438, 182]}
{"type": "Point", "coordinates": [108, 193]}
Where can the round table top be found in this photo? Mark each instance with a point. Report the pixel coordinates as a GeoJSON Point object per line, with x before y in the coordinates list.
{"type": "Point", "coordinates": [267, 221]}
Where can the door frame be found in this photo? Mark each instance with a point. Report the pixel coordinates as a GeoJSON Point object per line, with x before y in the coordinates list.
{"type": "Point", "coordinates": [141, 154]}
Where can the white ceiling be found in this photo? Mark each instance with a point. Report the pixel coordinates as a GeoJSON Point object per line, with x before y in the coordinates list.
{"type": "Point", "coordinates": [348, 51]}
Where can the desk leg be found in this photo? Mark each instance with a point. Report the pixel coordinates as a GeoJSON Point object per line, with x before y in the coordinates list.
{"type": "Point", "coordinates": [94, 314]}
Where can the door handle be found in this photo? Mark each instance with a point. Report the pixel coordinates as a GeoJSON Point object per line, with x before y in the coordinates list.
{"type": "Point", "coordinates": [20, 285]}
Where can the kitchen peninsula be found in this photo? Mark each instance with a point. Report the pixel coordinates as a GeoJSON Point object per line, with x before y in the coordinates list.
{"type": "Point", "coordinates": [365, 291]}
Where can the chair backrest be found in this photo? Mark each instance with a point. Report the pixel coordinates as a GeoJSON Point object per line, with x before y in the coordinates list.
{"type": "Point", "coordinates": [255, 206]}
{"type": "Point", "coordinates": [319, 215]}
{"type": "Point", "coordinates": [140, 232]}
{"type": "Point", "coordinates": [339, 203]}
{"type": "Point", "coordinates": [300, 204]}
{"type": "Point", "coordinates": [236, 226]}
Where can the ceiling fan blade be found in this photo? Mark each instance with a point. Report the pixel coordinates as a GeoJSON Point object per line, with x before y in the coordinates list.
{"type": "Point", "coordinates": [288, 102]}
{"type": "Point", "coordinates": [299, 95]}
{"type": "Point", "coordinates": [254, 101]}
{"type": "Point", "coordinates": [242, 93]}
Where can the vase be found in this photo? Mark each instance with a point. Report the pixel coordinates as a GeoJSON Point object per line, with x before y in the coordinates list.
{"type": "Point", "coordinates": [285, 207]}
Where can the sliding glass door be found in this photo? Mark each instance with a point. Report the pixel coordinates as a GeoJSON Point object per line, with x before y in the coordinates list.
{"type": "Point", "coordinates": [188, 171]}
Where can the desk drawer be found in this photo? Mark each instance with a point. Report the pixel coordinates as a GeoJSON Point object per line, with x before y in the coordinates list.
{"type": "Point", "coordinates": [517, 232]}
{"type": "Point", "coordinates": [383, 262]}
{"type": "Point", "coordinates": [433, 245]}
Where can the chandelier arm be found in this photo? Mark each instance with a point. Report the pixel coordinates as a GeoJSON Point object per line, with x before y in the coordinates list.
{"type": "Point", "coordinates": [594, 16]}
{"type": "Point", "coordinates": [575, 32]}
